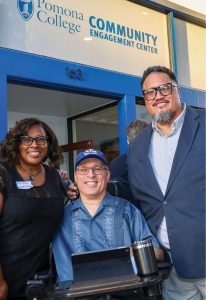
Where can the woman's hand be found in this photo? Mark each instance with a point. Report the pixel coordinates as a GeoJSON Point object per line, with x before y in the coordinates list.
{"type": "Point", "coordinates": [159, 254]}
{"type": "Point", "coordinates": [3, 289]}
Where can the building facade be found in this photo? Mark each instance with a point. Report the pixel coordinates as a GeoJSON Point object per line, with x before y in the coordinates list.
{"type": "Point", "coordinates": [63, 60]}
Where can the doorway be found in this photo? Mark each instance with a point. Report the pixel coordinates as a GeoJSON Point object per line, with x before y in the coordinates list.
{"type": "Point", "coordinates": [74, 117]}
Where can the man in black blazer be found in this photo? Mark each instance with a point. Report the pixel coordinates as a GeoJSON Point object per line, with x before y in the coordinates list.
{"type": "Point", "coordinates": [167, 178]}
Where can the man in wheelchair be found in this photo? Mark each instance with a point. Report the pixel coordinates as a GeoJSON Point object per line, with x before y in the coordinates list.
{"type": "Point", "coordinates": [96, 220]}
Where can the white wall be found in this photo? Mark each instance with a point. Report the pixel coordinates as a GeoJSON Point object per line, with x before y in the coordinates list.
{"type": "Point", "coordinates": [58, 124]}
{"type": "Point", "coordinates": [191, 54]}
{"type": "Point", "coordinates": [96, 131]}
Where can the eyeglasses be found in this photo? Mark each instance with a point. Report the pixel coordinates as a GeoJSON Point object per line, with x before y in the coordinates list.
{"type": "Point", "coordinates": [164, 89]}
{"type": "Point", "coordinates": [95, 170]}
{"type": "Point", "coordinates": [28, 140]}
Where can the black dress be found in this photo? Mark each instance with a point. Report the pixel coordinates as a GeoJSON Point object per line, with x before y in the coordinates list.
{"type": "Point", "coordinates": [27, 223]}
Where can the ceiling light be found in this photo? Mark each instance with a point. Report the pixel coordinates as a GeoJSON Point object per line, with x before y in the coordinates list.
{"type": "Point", "coordinates": [88, 38]}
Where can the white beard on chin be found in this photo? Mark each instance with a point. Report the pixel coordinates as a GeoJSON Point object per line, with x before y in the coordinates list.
{"type": "Point", "coordinates": [163, 117]}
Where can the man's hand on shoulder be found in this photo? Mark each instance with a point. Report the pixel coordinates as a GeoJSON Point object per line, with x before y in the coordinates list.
{"type": "Point", "coordinates": [72, 191]}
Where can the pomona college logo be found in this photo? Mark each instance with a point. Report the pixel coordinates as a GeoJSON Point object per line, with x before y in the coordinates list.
{"type": "Point", "coordinates": [26, 8]}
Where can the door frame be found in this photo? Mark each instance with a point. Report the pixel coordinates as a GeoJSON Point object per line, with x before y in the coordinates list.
{"type": "Point", "coordinates": [25, 68]}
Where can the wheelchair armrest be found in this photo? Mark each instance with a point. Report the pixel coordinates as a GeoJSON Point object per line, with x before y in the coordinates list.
{"type": "Point", "coordinates": [164, 265]}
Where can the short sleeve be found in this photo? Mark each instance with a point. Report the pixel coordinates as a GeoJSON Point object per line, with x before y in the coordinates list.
{"type": "Point", "coordinates": [62, 255]}
{"type": "Point", "coordinates": [141, 230]}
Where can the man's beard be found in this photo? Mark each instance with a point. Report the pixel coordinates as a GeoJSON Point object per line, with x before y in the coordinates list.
{"type": "Point", "coordinates": [164, 117]}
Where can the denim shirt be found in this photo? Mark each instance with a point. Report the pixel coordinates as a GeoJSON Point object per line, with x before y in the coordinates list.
{"type": "Point", "coordinates": [80, 232]}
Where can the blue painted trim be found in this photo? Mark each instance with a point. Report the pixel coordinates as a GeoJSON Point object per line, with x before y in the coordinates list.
{"type": "Point", "coordinates": [174, 53]}
{"type": "Point", "coordinates": [3, 105]}
{"type": "Point", "coordinates": [44, 71]}
{"type": "Point", "coordinates": [126, 114]}
{"type": "Point", "coordinates": [193, 97]}
{"type": "Point", "coordinates": [48, 71]}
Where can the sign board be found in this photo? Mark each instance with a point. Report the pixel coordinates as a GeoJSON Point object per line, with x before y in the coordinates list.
{"type": "Point", "coordinates": [115, 35]}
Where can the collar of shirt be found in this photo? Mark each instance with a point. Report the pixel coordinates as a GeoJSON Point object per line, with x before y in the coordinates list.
{"type": "Point", "coordinates": [176, 124]}
{"type": "Point", "coordinates": [107, 201]}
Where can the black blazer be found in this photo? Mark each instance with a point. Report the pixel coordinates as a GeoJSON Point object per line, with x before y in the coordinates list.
{"type": "Point", "coordinates": [184, 202]}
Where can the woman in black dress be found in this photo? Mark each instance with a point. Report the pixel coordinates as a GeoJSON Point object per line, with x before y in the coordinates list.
{"type": "Point", "coordinates": [31, 203]}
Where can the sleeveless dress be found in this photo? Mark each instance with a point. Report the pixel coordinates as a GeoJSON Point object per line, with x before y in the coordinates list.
{"type": "Point", "coordinates": [28, 221]}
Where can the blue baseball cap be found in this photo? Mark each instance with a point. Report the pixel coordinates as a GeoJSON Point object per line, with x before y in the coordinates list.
{"type": "Point", "coordinates": [91, 153]}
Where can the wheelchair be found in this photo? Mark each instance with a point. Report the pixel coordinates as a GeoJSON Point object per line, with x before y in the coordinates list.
{"type": "Point", "coordinates": [42, 287]}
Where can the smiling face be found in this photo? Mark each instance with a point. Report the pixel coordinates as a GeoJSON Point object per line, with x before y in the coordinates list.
{"type": "Point", "coordinates": [163, 109]}
{"type": "Point", "coordinates": [92, 185]}
{"type": "Point", "coordinates": [34, 154]}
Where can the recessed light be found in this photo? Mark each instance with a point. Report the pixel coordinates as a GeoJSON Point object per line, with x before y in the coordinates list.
{"type": "Point", "coordinates": [88, 38]}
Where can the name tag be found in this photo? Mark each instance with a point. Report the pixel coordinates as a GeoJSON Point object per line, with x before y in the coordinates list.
{"type": "Point", "coordinates": [24, 185]}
